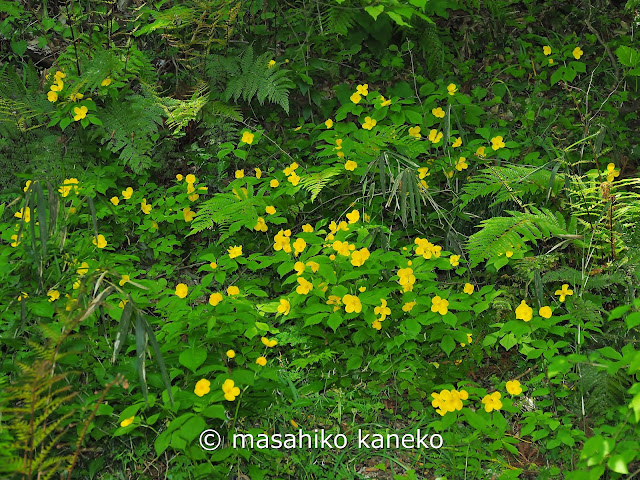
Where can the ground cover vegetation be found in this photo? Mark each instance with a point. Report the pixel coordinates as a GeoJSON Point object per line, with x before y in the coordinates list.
{"type": "Point", "coordinates": [266, 217]}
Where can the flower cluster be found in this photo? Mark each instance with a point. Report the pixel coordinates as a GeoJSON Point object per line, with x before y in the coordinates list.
{"type": "Point", "coordinates": [407, 279]}
{"type": "Point", "coordinates": [448, 400]}
{"type": "Point", "coordinates": [427, 249]}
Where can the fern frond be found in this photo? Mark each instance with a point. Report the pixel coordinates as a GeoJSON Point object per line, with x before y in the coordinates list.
{"type": "Point", "coordinates": [500, 234]}
{"type": "Point", "coordinates": [227, 210]}
{"type": "Point", "coordinates": [509, 183]}
{"type": "Point", "coordinates": [315, 182]}
{"type": "Point", "coordinates": [251, 78]}
{"type": "Point", "coordinates": [132, 124]}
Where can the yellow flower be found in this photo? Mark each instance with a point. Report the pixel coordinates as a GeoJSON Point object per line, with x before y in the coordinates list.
{"type": "Point", "coordinates": [407, 307]}
{"type": "Point", "coordinates": [203, 386]}
{"type": "Point", "coordinates": [76, 96]}
{"type": "Point", "coordinates": [52, 96]}
{"type": "Point", "coordinates": [57, 86]}
{"type": "Point", "coordinates": [468, 288]}
{"type": "Point", "coordinates": [100, 241]}
{"type": "Point", "coordinates": [127, 421]}
{"type": "Point", "coordinates": [355, 98]}
{"type": "Point", "coordinates": [545, 312]}
{"type": "Point", "coordinates": [261, 361]}
{"type": "Point", "coordinates": [24, 214]}
{"type": "Point", "coordinates": [353, 216]}
{"type": "Point", "coordinates": [564, 292]}
{"type": "Point", "coordinates": [439, 305]}
{"type": "Point", "coordinates": [106, 82]}
{"type": "Point", "coordinates": [480, 152]}
{"type": "Point", "coordinates": [299, 267]}
{"type": "Point", "coordinates": [261, 225]}
{"type": "Point", "coordinates": [271, 64]}
{"type": "Point", "coordinates": [577, 53]}
{"type": "Point", "coordinates": [451, 88]}
{"type": "Point", "coordinates": [213, 265]}
{"type": "Point", "coordinates": [215, 299]}
{"type": "Point", "coordinates": [435, 136]}
{"type": "Point", "coordinates": [247, 137]}
{"type": "Point", "coordinates": [383, 310]}
{"type": "Point", "coordinates": [329, 123]}
{"type": "Point", "coordinates": [469, 340]}
{"type": "Point", "coordinates": [513, 387]}
{"type": "Point", "coordinates": [124, 279]}
{"type": "Point", "coordinates": [239, 173]}
{"type": "Point", "coordinates": [68, 185]}
{"type": "Point", "coordinates": [438, 112]}
{"type": "Point", "coordinates": [53, 295]}
{"type": "Point", "coordinates": [188, 214]}
{"type": "Point", "coordinates": [269, 343]}
{"type": "Point", "coordinates": [454, 260]}
{"type": "Point", "coordinates": [230, 390]}
{"type": "Point", "coordinates": [363, 89]}
{"type": "Point", "coordinates": [497, 143]}
{"type": "Point", "coordinates": [492, 402]}
{"type": "Point", "coordinates": [270, 209]}
{"type": "Point", "coordinates": [235, 251]}
{"type": "Point", "coordinates": [15, 242]}
{"type": "Point", "coordinates": [274, 183]}
{"type": "Point", "coordinates": [59, 75]}
{"type": "Point", "coordinates": [457, 143]}
{"type": "Point", "coordinates": [127, 192]}
{"type": "Point", "coordinates": [612, 173]}
{"type": "Point", "coordinates": [294, 179]}
{"type": "Point", "coordinates": [258, 172]}
{"type": "Point", "coordinates": [284, 307]}
{"type": "Point", "coordinates": [376, 324]}
{"type": "Point", "coordinates": [115, 200]}
{"type": "Point", "coordinates": [83, 268]}
{"type": "Point", "coordinates": [551, 61]}
{"type": "Point", "coordinates": [307, 228]}
{"type": "Point", "coordinates": [145, 207]}
{"type": "Point", "coordinates": [314, 266]}
{"type": "Point", "coordinates": [350, 165]}
{"type": "Point", "coordinates": [358, 257]}
{"type": "Point", "coordinates": [281, 242]}
{"type": "Point", "coordinates": [182, 290]}
{"type": "Point", "coordinates": [546, 50]}
{"type": "Point", "coordinates": [80, 112]}
{"type": "Point", "coordinates": [352, 304]}
{"type": "Point", "coordinates": [461, 164]}
{"type": "Point", "coordinates": [193, 197]}
{"type": "Point", "coordinates": [231, 354]}
{"type": "Point", "coordinates": [233, 290]}
{"type": "Point", "coordinates": [369, 123]}
{"type": "Point", "coordinates": [423, 172]}
{"type": "Point", "coordinates": [190, 179]}
{"type": "Point", "coordinates": [415, 132]}
{"type": "Point", "coordinates": [304, 286]}
{"type": "Point", "coordinates": [384, 101]}
{"type": "Point", "coordinates": [298, 246]}
{"type": "Point", "coordinates": [524, 311]}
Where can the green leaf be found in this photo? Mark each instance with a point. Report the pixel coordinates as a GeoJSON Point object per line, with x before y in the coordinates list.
{"type": "Point", "coordinates": [19, 47]}
{"type": "Point", "coordinates": [374, 11]}
{"type": "Point", "coordinates": [633, 320]}
{"type": "Point", "coordinates": [618, 464]}
{"type": "Point", "coordinates": [215, 411]}
{"type": "Point", "coordinates": [193, 358]}
{"type": "Point", "coordinates": [474, 420]}
{"type": "Point", "coordinates": [334, 321]}
{"type": "Point", "coordinates": [447, 344]}
{"type": "Point", "coordinates": [629, 57]}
